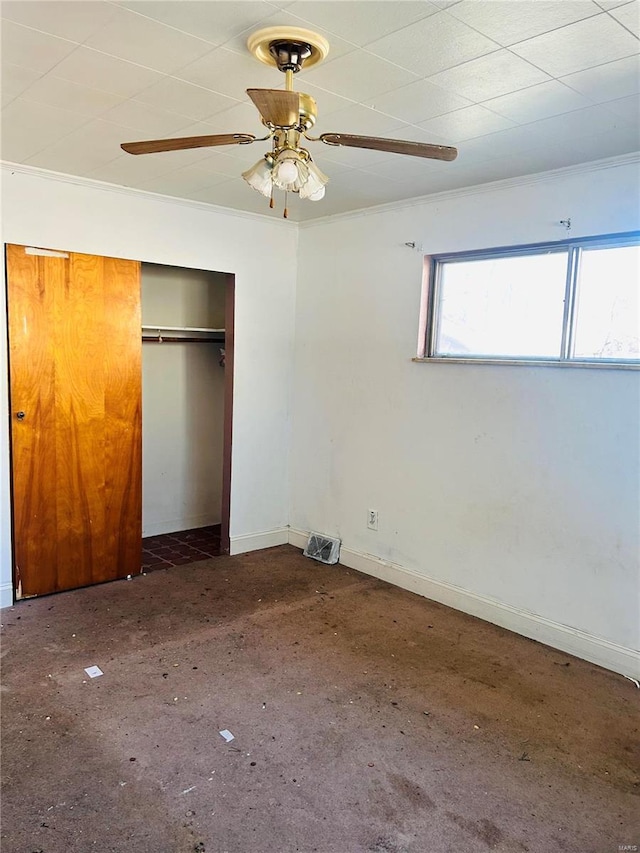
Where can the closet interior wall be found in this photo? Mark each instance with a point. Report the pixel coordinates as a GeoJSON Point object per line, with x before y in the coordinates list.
{"type": "Point", "coordinates": [182, 400]}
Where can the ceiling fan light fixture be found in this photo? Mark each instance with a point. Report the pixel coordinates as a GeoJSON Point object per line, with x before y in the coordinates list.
{"type": "Point", "coordinates": [259, 177]}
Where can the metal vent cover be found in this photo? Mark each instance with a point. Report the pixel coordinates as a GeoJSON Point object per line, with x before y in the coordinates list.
{"type": "Point", "coordinates": [325, 549]}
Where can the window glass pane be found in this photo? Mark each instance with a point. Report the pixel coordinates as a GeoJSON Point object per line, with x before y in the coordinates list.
{"type": "Point", "coordinates": [502, 307]}
{"type": "Point", "coordinates": [608, 303]}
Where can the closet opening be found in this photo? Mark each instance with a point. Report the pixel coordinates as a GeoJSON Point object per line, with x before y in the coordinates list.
{"type": "Point", "coordinates": [187, 394]}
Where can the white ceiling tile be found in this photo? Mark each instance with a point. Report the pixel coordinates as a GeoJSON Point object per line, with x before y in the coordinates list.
{"type": "Point", "coordinates": [397, 191]}
{"type": "Point", "coordinates": [536, 102]}
{"type": "Point", "coordinates": [327, 102]}
{"type": "Point", "coordinates": [362, 184]}
{"type": "Point", "coordinates": [130, 171]}
{"type": "Point", "coordinates": [357, 119]}
{"type": "Point", "coordinates": [183, 182]}
{"type": "Point", "coordinates": [507, 22]}
{"type": "Point", "coordinates": [490, 76]}
{"type": "Point", "coordinates": [399, 168]}
{"type": "Point", "coordinates": [604, 145]}
{"type": "Point", "coordinates": [233, 160]}
{"type": "Point", "coordinates": [329, 206]}
{"type": "Point", "coordinates": [28, 127]}
{"type": "Point", "coordinates": [68, 19]}
{"type": "Point", "coordinates": [361, 75]}
{"type": "Point", "coordinates": [187, 99]}
{"type": "Point", "coordinates": [238, 195]}
{"type": "Point", "coordinates": [146, 42]}
{"type": "Point", "coordinates": [628, 109]}
{"type": "Point", "coordinates": [585, 44]}
{"type": "Point", "coordinates": [628, 16]}
{"type": "Point", "coordinates": [214, 22]}
{"type": "Point", "coordinates": [70, 96]}
{"type": "Point", "coordinates": [32, 49]}
{"type": "Point", "coordinates": [501, 144]}
{"type": "Point", "coordinates": [145, 119]}
{"type": "Point", "coordinates": [579, 124]}
{"type": "Point", "coordinates": [15, 79]}
{"type": "Point", "coordinates": [89, 147]}
{"type": "Point", "coordinates": [108, 73]}
{"type": "Point", "coordinates": [543, 160]}
{"type": "Point", "coordinates": [466, 124]}
{"type": "Point", "coordinates": [241, 118]}
{"type": "Point", "coordinates": [433, 182]}
{"type": "Point", "coordinates": [433, 44]}
{"type": "Point", "coordinates": [415, 133]}
{"type": "Point", "coordinates": [353, 158]}
{"type": "Point", "coordinates": [612, 4]}
{"type": "Point", "coordinates": [230, 73]}
{"type": "Point", "coordinates": [360, 22]}
{"type": "Point", "coordinates": [419, 101]}
{"type": "Point", "coordinates": [607, 82]}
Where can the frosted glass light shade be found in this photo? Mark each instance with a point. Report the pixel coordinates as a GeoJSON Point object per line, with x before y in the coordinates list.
{"type": "Point", "coordinates": [290, 172]}
{"type": "Point", "coordinates": [259, 177]}
{"type": "Point", "coordinates": [313, 188]}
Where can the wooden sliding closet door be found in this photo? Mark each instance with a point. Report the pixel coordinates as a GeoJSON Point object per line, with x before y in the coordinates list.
{"type": "Point", "coordinates": [76, 449]}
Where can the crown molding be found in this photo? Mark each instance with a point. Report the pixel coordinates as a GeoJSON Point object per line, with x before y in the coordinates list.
{"type": "Point", "coordinates": [104, 186]}
{"type": "Point", "coordinates": [476, 189]}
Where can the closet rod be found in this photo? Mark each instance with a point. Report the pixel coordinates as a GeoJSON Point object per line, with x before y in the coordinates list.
{"type": "Point", "coordinates": [162, 339]}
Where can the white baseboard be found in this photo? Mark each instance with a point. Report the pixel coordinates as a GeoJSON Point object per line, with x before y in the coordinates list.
{"type": "Point", "coordinates": [256, 541]}
{"type": "Point", "coordinates": [570, 640]}
{"type": "Point", "coordinates": [6, 595]}
{"type": "Point", "coordinates": [298, 538]}
{"type": "Point", "coordinates": [157, 528]}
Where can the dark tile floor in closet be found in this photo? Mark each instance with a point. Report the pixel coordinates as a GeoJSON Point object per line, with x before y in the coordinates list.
{"type": "Point", "coordinates": [180, 548]}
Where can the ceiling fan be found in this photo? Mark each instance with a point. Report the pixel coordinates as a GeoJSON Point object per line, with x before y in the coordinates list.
{"type": "Point", "coordinates": [288, 116]}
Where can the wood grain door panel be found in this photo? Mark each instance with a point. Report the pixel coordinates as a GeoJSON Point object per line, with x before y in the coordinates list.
{"type": "Point", "coordinates": [75, 372]}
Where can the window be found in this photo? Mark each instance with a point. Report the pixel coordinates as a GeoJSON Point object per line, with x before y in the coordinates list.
{"type": "Point", "coordinates": [567, 302]}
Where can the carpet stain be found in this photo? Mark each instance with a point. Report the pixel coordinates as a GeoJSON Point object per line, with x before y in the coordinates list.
{"type": "Point", "coordinates": [484, 830]}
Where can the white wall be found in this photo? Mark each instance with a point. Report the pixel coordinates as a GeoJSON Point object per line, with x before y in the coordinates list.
{"type": "Point", "coordinates": [41, 210]}
{"type": "Point", "coordinates": [510, 492]}
{"type": "Point", "coordinates": [183, 388]}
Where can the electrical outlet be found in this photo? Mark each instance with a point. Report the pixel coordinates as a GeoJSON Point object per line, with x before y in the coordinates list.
{"type": "Point", "coordinates": [372, 519]}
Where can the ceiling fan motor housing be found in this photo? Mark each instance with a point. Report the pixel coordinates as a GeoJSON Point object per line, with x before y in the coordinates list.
{"type": "Point", "coordinates": [289, 55]}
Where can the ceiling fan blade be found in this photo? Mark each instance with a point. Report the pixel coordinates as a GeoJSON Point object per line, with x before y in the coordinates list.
{"type": "Point", "coordinates": [277, 106]}
{"type": "Point", "coordinates": [153, 146]}
{"type": "Point", "coordinates": [395, 146]}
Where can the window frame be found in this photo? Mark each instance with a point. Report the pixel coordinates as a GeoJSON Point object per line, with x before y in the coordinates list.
{"type": "Point", "coordinates": [573, 248]}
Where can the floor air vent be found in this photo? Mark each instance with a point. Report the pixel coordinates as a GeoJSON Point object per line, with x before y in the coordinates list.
{"type": "Point", "coordinates": [322, 548]}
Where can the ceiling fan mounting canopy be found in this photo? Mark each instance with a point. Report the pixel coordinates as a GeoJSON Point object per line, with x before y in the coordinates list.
{"type": "Point", "coordinates": [289, 55]}
{"type": "Point", "coordinates": [287, 48]}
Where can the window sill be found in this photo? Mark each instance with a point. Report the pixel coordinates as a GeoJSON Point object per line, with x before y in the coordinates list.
{"type": "Point", "coordinates": [530, 362]}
